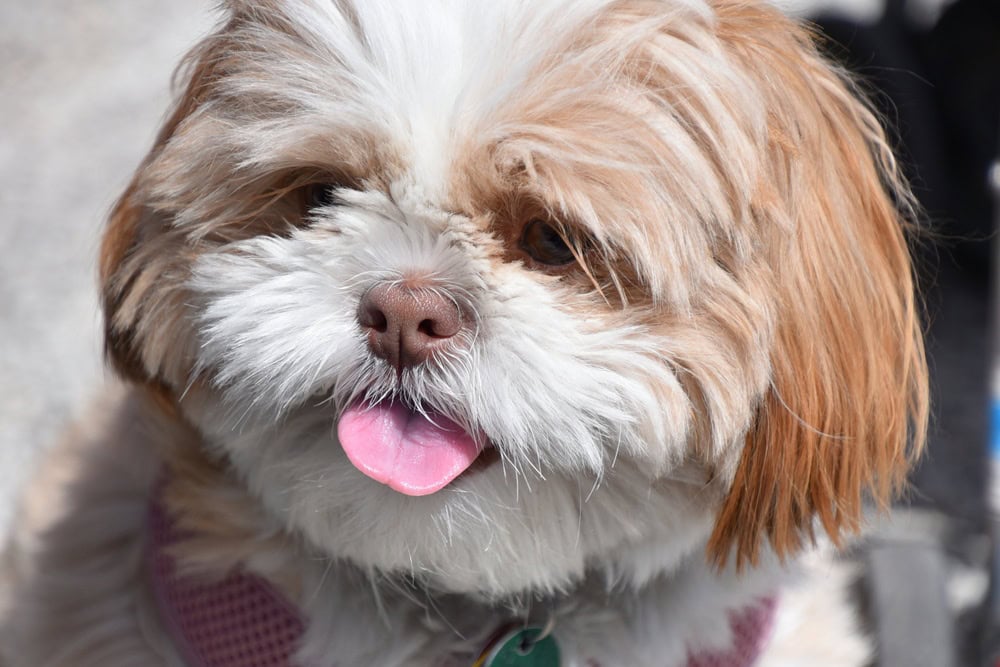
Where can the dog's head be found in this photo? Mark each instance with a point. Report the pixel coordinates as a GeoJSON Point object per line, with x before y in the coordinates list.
{"type": "Point", "coordinates": [493, 292]}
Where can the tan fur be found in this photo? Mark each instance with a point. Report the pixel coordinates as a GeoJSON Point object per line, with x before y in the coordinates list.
{"type": "Point", "coordinates": [848, 403]}
{"type": "Point", "coordinates": [129, 266]}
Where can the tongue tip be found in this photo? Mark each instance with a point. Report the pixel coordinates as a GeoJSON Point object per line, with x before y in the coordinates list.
{"type": "Point", "coordinates": [414, 490]}
{"type": "Point", "coordinates": [403, 450]}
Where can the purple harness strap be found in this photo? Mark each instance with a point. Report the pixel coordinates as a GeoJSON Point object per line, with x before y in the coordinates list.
{"type": "Point", "coordinates": [238, 621]}
{"type": "Point", "coordinates": [752, 627]}
{"type": "Point", "coordinates": [241, 621]}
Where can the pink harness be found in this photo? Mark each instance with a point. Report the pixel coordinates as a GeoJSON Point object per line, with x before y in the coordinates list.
{"type": "Point", "coordinates": [241, 621]}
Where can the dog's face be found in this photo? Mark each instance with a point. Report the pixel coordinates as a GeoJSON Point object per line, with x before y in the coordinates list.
{"type": "Point", "coordinates": [491, 293]}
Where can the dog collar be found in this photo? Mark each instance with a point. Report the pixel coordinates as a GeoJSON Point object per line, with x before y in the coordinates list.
{"type": "Point", "coordinates": [242, 621]}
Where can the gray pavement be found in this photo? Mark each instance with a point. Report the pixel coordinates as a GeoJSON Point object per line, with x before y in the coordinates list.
{"type": "Point", "coordinates": [83, 85]}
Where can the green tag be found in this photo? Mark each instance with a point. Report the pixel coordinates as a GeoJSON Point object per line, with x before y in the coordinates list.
{"type": "Point", "coordinates": [519, 648]}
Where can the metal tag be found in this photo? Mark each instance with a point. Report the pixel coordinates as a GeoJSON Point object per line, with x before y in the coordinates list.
{"type": "Point", "coordinates": [522, 648]}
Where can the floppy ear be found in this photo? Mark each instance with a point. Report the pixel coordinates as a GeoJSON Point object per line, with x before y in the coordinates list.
{"type": "Point", "coordinates": [847, 406]}
{"type": "Point", "coordinates": [140, 258]}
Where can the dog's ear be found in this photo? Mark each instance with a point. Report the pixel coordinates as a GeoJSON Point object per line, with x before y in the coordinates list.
{"type": "Point", "coordinates": [847, 406]}
{"type": "Point", "coordinates": [140, 254]}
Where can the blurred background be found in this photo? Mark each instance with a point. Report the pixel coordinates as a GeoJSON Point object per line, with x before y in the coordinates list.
{"type": "Point", "coordinates": [84, 83]}
{"type": "Point", "coordinates": [934, 69]}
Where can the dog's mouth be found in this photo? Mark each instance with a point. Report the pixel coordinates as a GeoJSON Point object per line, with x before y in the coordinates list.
{"type": "Point", "coordinates": [413, 452]}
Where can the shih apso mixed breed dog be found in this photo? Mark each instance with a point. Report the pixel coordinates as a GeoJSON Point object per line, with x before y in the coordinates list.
{"type": "Point", "coordinates": [496, 332]}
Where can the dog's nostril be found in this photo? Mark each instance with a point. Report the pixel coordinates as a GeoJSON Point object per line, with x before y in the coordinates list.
{"type": "Point", "coordinates": [378, 321]}
{"type": "Point", "coordinates": [370, 316]}
{"type": "Point", "coordinates": [428, 328]}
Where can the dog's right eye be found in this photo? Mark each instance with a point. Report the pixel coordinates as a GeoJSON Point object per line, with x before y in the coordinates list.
{"type": "Point", "coordinates": [321, 195]}
{"type": "Point", "coordinates": [546, 245]}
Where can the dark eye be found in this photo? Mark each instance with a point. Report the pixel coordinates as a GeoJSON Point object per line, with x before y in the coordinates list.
{"type": "Point", "coordinates": [319, 195]}
{"type": "Point", "coordinates": [545, 244]}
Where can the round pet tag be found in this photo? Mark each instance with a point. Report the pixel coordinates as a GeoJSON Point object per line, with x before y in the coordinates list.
{"type": "Point", "coordinates": [520, 648]}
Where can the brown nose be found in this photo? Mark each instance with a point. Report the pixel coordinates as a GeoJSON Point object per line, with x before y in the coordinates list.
{"type": "Point", "coordinates": [406, 326]}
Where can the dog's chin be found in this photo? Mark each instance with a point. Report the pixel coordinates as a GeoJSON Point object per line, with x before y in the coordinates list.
{"type": "Point", "coordinates": [490, 536]}
{"type": "Point", "coordinates": [494, 530]}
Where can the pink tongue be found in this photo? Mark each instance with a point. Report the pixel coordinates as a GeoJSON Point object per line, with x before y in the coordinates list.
{"type": "Point", "coordinates": [397, 446]}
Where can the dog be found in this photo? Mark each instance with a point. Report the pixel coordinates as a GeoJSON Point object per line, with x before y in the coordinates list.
{"type": "Point", "coordinates": [456, 332]}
